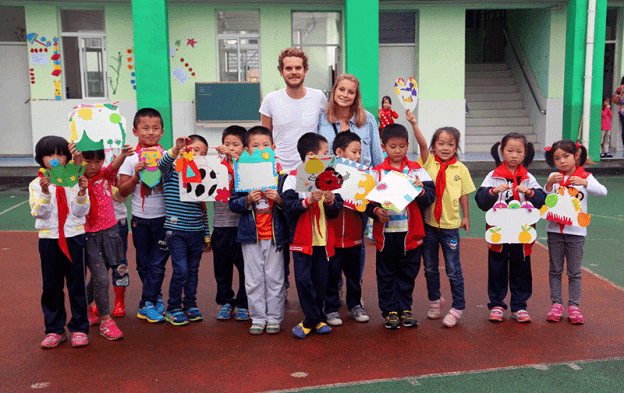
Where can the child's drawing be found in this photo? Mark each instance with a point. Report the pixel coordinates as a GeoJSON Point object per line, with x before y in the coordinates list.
{"type": "Point", "coordinates": [394, 192]}
{"type": "Point", "coordinates": [317, 173]}
{"type": "Point", "coordinates": [213, 179]}
{"type": "Point", "coordinates": [357, 183]}
{"type": "Point", "coordinates": [63, 176]}
{"type": "Point", "coordinates": [511, 223]}
{"type": "Point", "coordinates": [98, 126]}
{"type": "Point", "coordinates": [151, 174]}
{"type": "Point", "coordinates": [256, 171]}
{"type": "Point", "coordinates": [564, 207]}
{"type": "Point", "coordinates": [407, 93]}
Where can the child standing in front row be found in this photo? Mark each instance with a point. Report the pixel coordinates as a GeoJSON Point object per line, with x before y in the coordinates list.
{"type": "Point", "coordinates": [399, 236]}
{"type": "Point", "coordinates": [567, 240]}
{"type": "Point", "coordinates": [262, 232]}
{"type": "Point", "coordinates": [442, 220]}
{"type": "Point", "coordinates": [60, 217]}
{"type": "Point", "coordinates": [510, 264]}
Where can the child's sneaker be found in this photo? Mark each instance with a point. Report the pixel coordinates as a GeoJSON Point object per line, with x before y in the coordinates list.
{"type": "Point", "coordinates": [574, 313]}
{"type": "Point", "coordinates": [110, 330]}
{"type": "Point", "coordinates": [256, 328]}
{"type": "Point", "coordinates": [93, 315]}
{"type": "Point", "coordinates": [193, 314]}
{"type": "Point", "coordinates": [149, 313]}
{"type": "Point", "coordinates": [79, 339]}
{"type": "Point", "coordinates": [225, 312]}
{"type": "Point", "coordinates": [496, 314]}
{"type": "Point", "coordinates": [52, 340]}
{"type": "Point", "coordinates": [176, 318]}
{"type": "Point", "coordinates": [392, 320]}
{"type": "Point", "coordinates": [242, 314]}
{"type": "Point", "coordinates": [160, 306]}
{"type": "Point", "coordinates": [300, 331]}
{"type": "Point", "coordinates": [358, 314]}
{"type": "Point", "coordinates": [554, 315]}
{"type": "Point", "coordinates": [521, 316]}
{"type": "Point", "coordinates": [272, 328]}
{"type": "Point", "coordinates": [322, 328]}
{"type": "Point", "coordinates": [450, 320]}
{"type": "Point", "coordinates": [435, 308]}
{"type": "Point", "coordinates": [333, 318]}
{"type": "Point", "coordinates": [407, 319]}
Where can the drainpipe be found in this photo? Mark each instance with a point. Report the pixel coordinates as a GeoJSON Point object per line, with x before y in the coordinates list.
{"type": "Point", "coordinates": [589, 54]}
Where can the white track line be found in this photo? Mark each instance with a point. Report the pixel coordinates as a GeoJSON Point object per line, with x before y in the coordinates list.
{"type": "Point", "coordinates": [611, 218]}
{"type": "Point", "coordinates": [13, 207]}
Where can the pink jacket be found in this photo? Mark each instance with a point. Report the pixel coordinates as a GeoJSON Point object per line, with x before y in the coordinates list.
{"type": "Point", "coordinates": [606, 118]}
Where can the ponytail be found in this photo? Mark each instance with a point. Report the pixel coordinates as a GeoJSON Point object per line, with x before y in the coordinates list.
{"type": "Point", "coordinates": [494, 152]}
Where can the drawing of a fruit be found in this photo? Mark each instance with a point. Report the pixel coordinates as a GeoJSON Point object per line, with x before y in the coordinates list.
{"type": "Point", "coordinates": [551, 200]}
{"type": "Point", "coordinates": [525, 236]}
{"type": "Point", "coordinates": [496, 236]}
{"type": "Point", "coordinates": [314, 165]}
{"type": "Point", "coordinates": [584, 219]}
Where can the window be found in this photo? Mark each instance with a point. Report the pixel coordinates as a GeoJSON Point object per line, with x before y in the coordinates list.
{"type": "Point", "coordinates": [238, 46]}
{"type": "Point", "coordinates": [13, 26]}
{"type": "Point", "coordinates": [318, 34]}
{"type": "Point", "coordinates": [83, 44]}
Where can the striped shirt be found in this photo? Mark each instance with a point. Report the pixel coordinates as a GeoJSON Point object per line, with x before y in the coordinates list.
{"type": "Point", "coordinates": [224, 217]}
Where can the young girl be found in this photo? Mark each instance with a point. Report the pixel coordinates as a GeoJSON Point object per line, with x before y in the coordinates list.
{"type": "Point", "coordinates": [605, 139]}
{"type": "Point", "coordinates": [386, 114]}
{"type": "Point", "coordinates": [60, 213]}
{"type": "Point", "coordinates": [510, 264]}
{"type": "Point", "coordinates": [568, 240]}
{"type": "Point", "coordinates": [442, 218]}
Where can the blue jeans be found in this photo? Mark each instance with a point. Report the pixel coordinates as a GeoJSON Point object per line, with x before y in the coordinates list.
{"type": "Point", "coordinates": [148, 237]}
{"type": "Point", "coordinates": [449, 240]}
{"type": "Point", "coordinates": [186, 250]}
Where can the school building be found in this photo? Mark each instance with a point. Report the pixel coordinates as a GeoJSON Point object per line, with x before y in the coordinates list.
{"type": "Point", "coordinates": [485, 67]}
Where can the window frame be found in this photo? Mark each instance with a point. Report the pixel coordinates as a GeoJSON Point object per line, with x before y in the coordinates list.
{"type": "Point", "coordinates": [237, 37]}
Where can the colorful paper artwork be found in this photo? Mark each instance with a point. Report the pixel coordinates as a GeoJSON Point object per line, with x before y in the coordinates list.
{"type": "Point", "coordinates": [130, 60]}
{"type": "Point", "coordinates": [212, 183]}
{"type": "Point", "coordinates": [63, 176]}
{"type": "Point", "coordinates": [191, 42]}
{"type": "Point", "coordinates": [39, 59]}
{"type": "Point", "coordinates": [394, 192]}
{"type": "Point", "coordinates": [151, 174]}
{"type": "Point", "coordinates": [32, 76]}
{"type": "Point", "coordinates": [407, 93]}
{"type": "Point", "coordinates": [564, 207]}
{"type": "Point", "coordinates": [357, 183]}
{"type": "Point", "coordinates": [255, 171]}
{"type": "Point", "coordinates": [188, 67]}
{"type": "Point", "coordinates": [57, 90]}
{"type": "Point", "coordinates": [34, 38]}
{"type": "Point", "coordinates": [511, 223]}
{"type": "Point", "coordinates": [180, 75]}
{"type": "Point", "coordinates": [56, 57]}
{"type": "Point", "coordinates": [317, 173]}
{"type": "Point", "coordinates": [97, 126]}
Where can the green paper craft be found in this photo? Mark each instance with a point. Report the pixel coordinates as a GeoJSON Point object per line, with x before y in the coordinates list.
{"type": "Point", "coordinates": [64, 176]}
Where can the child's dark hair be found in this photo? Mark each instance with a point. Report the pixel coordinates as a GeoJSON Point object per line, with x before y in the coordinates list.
{"type": "Point", "coordinates": [386, 98]}
{"type": "Point", "coordinates": [394, 131]}
{"type": "Point", "coordinates": [454, 132]}
{"type": "Point", "coordinates": [310, 142]}
{"type": "Point", "coordinates": [146, 112]}
{"type": "Point", "coordinates": [93, 154]}
{"type": "Point", "coordinates": [200, 138]}
{"type": "Point", "coordinates": [344, 139]}
{"type": "Point", "coordinates": [257, 130]}
{"type": "Point", "coordinates": [529, 150]}
{"type": "Point", "coordinates": [569, 147]}
{"type": "Point", "coordinates": [236, 131]}
{"type": "Point", "coordinates": [49, 145]}
{"type": "Point", "coordinates": [605, 98]}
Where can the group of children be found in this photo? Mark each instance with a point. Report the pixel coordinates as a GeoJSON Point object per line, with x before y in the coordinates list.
{"type": "Point", "coordinates": [254, 230]}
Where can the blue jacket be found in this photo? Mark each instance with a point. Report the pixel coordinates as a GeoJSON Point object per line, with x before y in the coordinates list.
{"type": "Point", "coordinates": [247, 230]}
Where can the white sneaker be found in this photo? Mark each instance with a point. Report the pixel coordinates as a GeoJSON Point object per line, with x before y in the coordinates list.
{"type": "Point", "coordinates": [333, 319]}
{"type": "Point", "coordinates": [435, 308]}
{"type": "Point", "coordinates": [358, 314]}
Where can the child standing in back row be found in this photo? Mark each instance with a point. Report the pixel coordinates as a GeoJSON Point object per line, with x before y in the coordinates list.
{"type": "Point", "coordinates": [605, 127]}
{"type": "Point", "coordinates": [386, 114]}
{"type": "Point", "coordinates": [442, 220]}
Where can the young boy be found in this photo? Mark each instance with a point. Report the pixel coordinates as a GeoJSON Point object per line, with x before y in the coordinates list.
{"type": "Point", "coordinates": [399, 236]}
{"type": "Point", "coordinates": [349, 229]}
{"type": "Point", "coordinates": [226, 251]}
{"type": "Point", "coordinates": [312, 239]}
{"type": "Point", "coordinates": [148, 217]}
{"type": "Point", "coordinates": [187, 235]}
{"type": "Point", "coordinates": [262, 232]}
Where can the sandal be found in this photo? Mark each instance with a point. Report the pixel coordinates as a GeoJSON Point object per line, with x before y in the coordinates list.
{"type": "Point", "coordinates": [521, 316]}
{"type": "Point", "coordinates": [435, 308]}
{"type": "Point", "coordinates": [574, 313]}
{"type": "Point", "coordinates": [496, 314]}
{"type": "Point", "coordinates": [450, 320]}
{"type": "Point", "coordinates": [555, 313]}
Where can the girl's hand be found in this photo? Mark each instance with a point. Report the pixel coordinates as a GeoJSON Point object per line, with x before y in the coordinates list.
{"type": "Point", "coordinates": [329, 198]}
{"type": "Point", "coordinates": [555, 178]}
{"type": "Point", "coordinates": [409, 116]}
{"type": "Point", "coordinates": [127, 150]}
{"type": "Point", "coordinates": [83, 183]}
{"type": "Point", "coordinates": [382, 215]}
{"type": "Point", "coordinates": [501, 188]}
{"type": "Point", "coordinates": [524, 190]}
{"type": "Point", "coordinates": [465, 224]}
{"type": "Point", "coordinates": [254, 196]}
{"type": "Point", "coordinates": [44, 182]}
{"type": "Point", "coordinates": [207, 247]}
{"type": "Point", "coordinates": [418, 183]}
{"type": "Point", "coordinates": [272, 195]}
{"type": "Point", "coordinates": [577, 181]}
{"type": "Point", "coordinates": [72, 148]}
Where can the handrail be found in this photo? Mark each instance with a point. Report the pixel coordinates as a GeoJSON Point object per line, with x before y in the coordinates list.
{"type": "Point", "coordinates": [521, 64]}
{"type": "Point", "coordinates": [467, 109]}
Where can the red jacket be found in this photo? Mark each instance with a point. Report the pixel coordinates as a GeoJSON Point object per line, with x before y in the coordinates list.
{"type": "Point", "coordinates": [348, 228]}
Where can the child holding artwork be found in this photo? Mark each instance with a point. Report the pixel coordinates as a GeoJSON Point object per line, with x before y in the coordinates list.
{"type": "Point", "coordinates": [312, 239]}
{"type": "Point", "coordinates": [386, 114]}
{"type": "Point", "coordinates": [605, 127]}
{"type": "Point", "coordinates": [121, 279]}
{"type": "Point", "coordinates": [188, 236]}
{"type": "Point", "coordinates": [567, 240]}
{"type": "Point", "coordinates": [399, 235]}
{"type": "Point", "coordinates": [509, 265]}
{"type": "Point", "coordinates": [348, 229]}
{"type": "Point", "coordinates": [60, 217]}
{"type": "Point", "coordinates": [227, 253]}
{"type": "Point", "coordinates": [442, 219]}
{"type": "Point", "coordinates": [262, 232]}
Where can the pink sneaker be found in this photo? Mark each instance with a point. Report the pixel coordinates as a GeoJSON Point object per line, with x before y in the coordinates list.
{"type": "Point", "coordinates": [555, 313]}
{"type": "Point", "coordinates": [450, 320]}
{"type": "Point", "coordinates": [574, 313]}
{"type": "Point", "coordinates": [52, 340]}
{"type": "Point", "coordinates": [521, 316]}
{"type": "Point", "coordinates": [496, 314]}
{"type": "Point", "coordinates": [435, 308]}
{"type": "Point", "coordinates": [93, 316]}
{"type": "Point", "coordinates": [79, 339]}
{"type": "Point", "coordinates": [110, 330]}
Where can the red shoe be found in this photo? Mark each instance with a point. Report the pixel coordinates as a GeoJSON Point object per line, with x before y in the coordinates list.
{"type": "Point", "coordinates": [110, 330]}
{"type": "Point", "coordinates": [93, 316]}
{"type": "Point", "coordinates": [120, 306]}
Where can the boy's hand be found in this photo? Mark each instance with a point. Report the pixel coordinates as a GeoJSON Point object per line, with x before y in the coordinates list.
{"type": "Point", "coordinates": [44, 182]}
{"type": "Point", "coordinates": [254, 197]}
{"type": "Point", "coordinates": [72, 148]}
{"type": "Point", "coordinates": [329, 198]}
{"type": "Point", "coordinates": [207, 247]}
{"type": "Point", "coordinates": [273, 195]}
{"type": "Point", "coordinates": [418, 183]}
{"type": "Point", "coordinates": [577, 181]}
{"type": "Point", "coordinates": [314, 197]}
{"type": "Point", "coordinates": [409, 116]}
{"type": "Point", "coordinates": [555, 178]}
{"type": "Point", "coordinates": [139, 166]}
{"type": "Point", "coordinates": [180, 144]}
{"type": "Point", "coordinates": [382, 215]}
{"type": "Point", "coordinates": [524, 190]}
{"type": "Point", "coordinates": [127, 150]}
{"type": "Point", "coordinates": [501, 188]}
{"type": "Point", "coordinates": [465, 224]}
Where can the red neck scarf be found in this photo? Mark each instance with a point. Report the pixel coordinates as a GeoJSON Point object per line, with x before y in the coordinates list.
{"type": "Point", "coordinates": [410, 164]}
{"type": "Point", "coordinates": [92, 217]}
{"type": "Point", "coordinates": [579, 171]}
{"type": "Point", "coordinates": [63, 211]}
{"type": "Point", "coordinates": [440, 186]}
{"type": "Point", "coordinates": [517, 177]}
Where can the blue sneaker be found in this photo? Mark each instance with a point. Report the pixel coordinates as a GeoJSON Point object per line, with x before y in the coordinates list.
{"type": "Point", "coordinates": [177, 318]}
{"type": "Point", "coordinates": [193, 314]}
{"type": "Point", "coordinates": [242, 314]}
{"type": "Point", "coordinates": [322, 328]}
{"type": "Point", "coordinates": [225, 312]}
{"type": "Point", "coordinates": [160, 305]}
{"type": "Point", "coordinates": [149, 313]}
{"type": "Point", "coordinates": [300, 331]}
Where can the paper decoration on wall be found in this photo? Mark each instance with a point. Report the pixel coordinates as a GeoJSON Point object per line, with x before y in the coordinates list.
{"type": "Point", "coordinates": [57, 90]}
{"type": "Point", "coordinates": [39, 59]}
{"type": "Point", "coordinates": [317, 173]}
{"type": "Point", "coordinates": [190, 70]}
{"type": "Point", "coordinates": [98, 126]}
{"type": "Point", "coordinates": [178, 43]}
{"type": "Point", "coordinates": [32, 76]}
{"type": "Point", "coordinates": [564, 207]}
{"type": "Point", "coordinates": [357, 183]}
{"type": "Point", "coordinates": [130, 60]}
{"type": "Point", "coordinates": [511, 223]}
{"type": "Point", "coordinates": [116, 66]}
{"type": "Point", "coordinates": [56, 57]}
{"type": "Point", "coordinates": [32, 38]}
{"type": "Point", "coordinates": [191, 42]}
{"type": "Point", "coordinates": [394, 192]}
{"type": "Point", "coordinates": [255, 171]}
{"type": "Point", "coordinates": [213, 184]}
{"type": "Point", "coordinates": [151, 174]}
{"type": "Point", "coordinates": [64, 176]}
{"type": "Point", "coordinates": [407, 93]}
{"type": "Point", "coordinates": [179, 75]}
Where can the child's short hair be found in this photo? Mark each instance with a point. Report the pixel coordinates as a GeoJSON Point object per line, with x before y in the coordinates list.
{"type": "Point", "coordinates": [309, 142]}
{"type": "Point", "coordinates": [236, 131]}
{"type": "Point", "coordinates": [49, 145]}
{"type": "Point", "coordinates": [93, 154]}
{"type": "Point", "coordinates": [394, 131]}
{"type": "Point", "coordinates": [258, 130]}
{"type": "Point", "coordinates": [569, 147]}
{"type": "Point", "coordinates": [454, 132]}
{"type": "Point", "coordinates": [344, 139]}
{"type": "Point", "coordinates": [386, 98]}
{"type": "Point", "coordinates": [529, 150]}
{"type": "Point", "coordinates": [146, 112]}
{"type": "Point", "coordinates": [196, 137]}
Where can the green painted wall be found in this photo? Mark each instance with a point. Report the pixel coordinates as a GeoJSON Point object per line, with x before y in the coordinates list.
{"type": "Point", "coordinates": [556, 76]}
{"type": "Point", "coordinates": [597, 80]}
{"type": "Point", "coordinates": [42, 19]}
{"type": "Point", "coordinates": [275, 36]}
{"type": "Point", "coordinates": [119, 42]}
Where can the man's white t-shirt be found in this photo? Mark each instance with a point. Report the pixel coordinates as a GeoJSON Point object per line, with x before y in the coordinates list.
{"type": "Point", "coordinates": [291, 119]}
{"type": "Point", "coordinates": [154, 204]}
